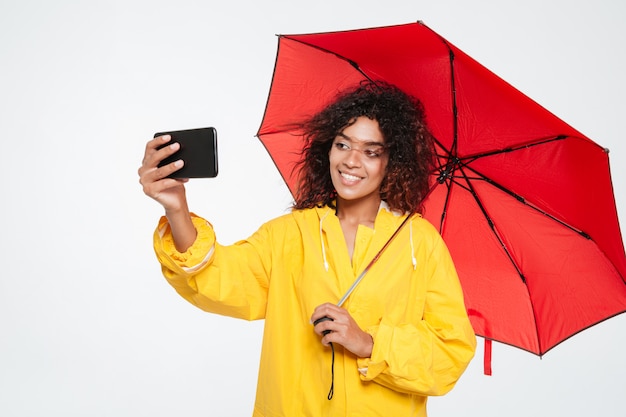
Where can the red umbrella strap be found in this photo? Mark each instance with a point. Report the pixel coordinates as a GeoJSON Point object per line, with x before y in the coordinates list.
{"type": "Point", "coordinates": [487, 358]}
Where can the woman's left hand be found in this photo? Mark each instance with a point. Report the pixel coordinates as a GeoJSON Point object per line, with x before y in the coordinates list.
{"type": "Point", "coordinates": [343, 330]}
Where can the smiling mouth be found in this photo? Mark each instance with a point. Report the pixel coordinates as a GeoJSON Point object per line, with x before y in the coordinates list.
{"type": "Point", "coordinates": [350, 177]}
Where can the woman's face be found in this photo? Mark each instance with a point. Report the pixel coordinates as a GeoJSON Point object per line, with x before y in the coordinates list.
{"type": "Point", "coordinates": [358, 161]}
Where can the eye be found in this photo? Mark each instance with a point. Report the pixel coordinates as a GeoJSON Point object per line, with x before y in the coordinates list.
{"type": "Point", "coordinates": [374, 152]}
{"type": "Point", "coordinates": [341, 145]}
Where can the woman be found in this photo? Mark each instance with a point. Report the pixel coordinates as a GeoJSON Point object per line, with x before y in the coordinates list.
{"type": "Point", "coordinates": [402, 335]}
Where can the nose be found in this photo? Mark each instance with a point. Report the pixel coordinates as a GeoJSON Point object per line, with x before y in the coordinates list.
{"type": "Point", "coordinates": [352, 158]}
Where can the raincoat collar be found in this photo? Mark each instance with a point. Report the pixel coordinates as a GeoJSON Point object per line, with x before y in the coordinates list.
{"type": "Point", "coordinates": [385, 224]}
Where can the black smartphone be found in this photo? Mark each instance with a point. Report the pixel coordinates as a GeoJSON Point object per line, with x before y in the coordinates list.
{"type": "Point", "coordinates": [198, 149]}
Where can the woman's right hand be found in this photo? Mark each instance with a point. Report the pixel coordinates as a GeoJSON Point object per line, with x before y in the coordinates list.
{"type": "Point", "coordinates": [168, 192]}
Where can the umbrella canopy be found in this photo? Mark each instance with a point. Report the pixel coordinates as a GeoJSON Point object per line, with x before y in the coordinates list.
{"type": "Point", "coordinates": [523, 200]}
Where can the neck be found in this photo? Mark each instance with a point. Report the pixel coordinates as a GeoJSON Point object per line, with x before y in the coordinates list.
{"type": "Point", "coordinates": [361, 212]}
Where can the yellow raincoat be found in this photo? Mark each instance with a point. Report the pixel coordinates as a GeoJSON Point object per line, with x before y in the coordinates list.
{"type": "Point", "coordinates": [410, 302]}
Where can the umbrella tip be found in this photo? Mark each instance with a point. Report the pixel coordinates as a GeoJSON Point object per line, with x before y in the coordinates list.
{"type": "Point", "coordinates": [606, 150]}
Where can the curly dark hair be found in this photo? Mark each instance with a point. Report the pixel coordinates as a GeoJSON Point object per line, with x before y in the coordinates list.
{"type": "Point", "coordinates": [407, 139]}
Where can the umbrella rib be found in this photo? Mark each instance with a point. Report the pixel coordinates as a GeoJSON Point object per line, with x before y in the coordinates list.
{"type": "Point", "coordinates": [446, 204]}
{"type": "Point", "coordinates": [445, 177]}
{"type": "Point", "coordinates": [354, 64]}
{"type": "Point", "coordinates": [523, 200]}
{"type": "Point", "coordinates": [455, 110]}
{"type": "Point", "coordinates": [542, 141]}
{"type": "Point", "coordinates": [491, 224]}
{"type": "Point", "coordinates": [453, 163]}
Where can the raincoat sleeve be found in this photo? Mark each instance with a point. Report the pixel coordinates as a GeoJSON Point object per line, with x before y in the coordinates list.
{"type": "Point", "coordinates": [429, 356]}
{"type": "Point", "coordinates": [227, 280]}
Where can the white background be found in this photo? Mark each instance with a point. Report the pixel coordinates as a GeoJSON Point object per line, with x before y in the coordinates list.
{"type": "Point", "coordinates": [88, 326]}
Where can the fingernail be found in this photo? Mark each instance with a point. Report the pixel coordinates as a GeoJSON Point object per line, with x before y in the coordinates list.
{"type": "Point", "coordinates": [178, 163]}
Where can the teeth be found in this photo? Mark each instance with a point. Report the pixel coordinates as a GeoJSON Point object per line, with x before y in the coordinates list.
{"type": "Point", "coordinates": [350, 177]}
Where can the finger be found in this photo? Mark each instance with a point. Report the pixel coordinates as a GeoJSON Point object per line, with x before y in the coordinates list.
{"type": "Point", "coordinates": [335, 333]}
{"type": "Point", "coordinates": [158, 141]}
{"type": "Point", "coordinates": [148, 176]}
{"type": "Point", "coordinates": [166, 170]}
{"type": "Point", "coordinates": [154, 188]}
{"type": "Point", "coordinates": [158, 149]}
{"type": "Point", "coordinates": [153, 145]}
{"type": "Point", "coordinates": [322, 310]}
{"type": "Point", "coordinates": [319, 323]}
{"type": "Point", "coordinates": [323, 328]}
{"type": "Point", "coordinates": [331, 337]}
{"type": "Point", "coordinates": [153, 158]}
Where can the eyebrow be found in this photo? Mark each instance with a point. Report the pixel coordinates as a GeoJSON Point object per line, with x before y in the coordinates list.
{"type": "Point", "coordinates": [366, 143]}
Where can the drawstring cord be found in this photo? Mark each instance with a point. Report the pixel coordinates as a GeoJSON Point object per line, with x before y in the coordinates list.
{"type": "Point", "coordinates": [322, 240]}
{"type": "Point", "coordinates": [413, 260]}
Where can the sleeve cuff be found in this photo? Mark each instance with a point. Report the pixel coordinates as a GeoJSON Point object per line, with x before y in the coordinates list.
{"type": "Point", "coordinates": [198, 254]}
{"type": "Point", "coordinates": [368, 368]}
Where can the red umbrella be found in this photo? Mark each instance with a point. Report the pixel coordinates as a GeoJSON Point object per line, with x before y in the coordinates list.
{"type": "Point", "coordinates": [523, 200]}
